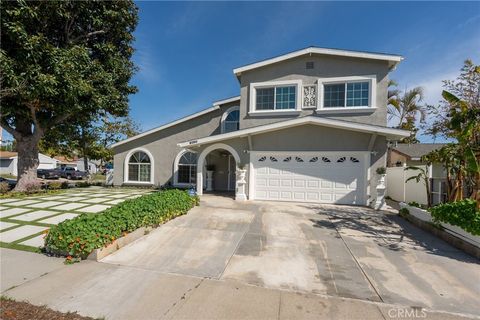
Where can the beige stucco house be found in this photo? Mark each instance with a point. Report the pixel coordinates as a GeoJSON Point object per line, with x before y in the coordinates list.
{"type": "Point", "coordinates": [308, 126]}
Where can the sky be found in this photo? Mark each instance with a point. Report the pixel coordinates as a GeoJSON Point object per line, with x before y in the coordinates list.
{"type": "Point", "coordinates": [186, 51]}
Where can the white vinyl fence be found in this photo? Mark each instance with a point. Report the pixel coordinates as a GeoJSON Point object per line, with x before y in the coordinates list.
{"type": "Point", "coordinates": [399, 190]}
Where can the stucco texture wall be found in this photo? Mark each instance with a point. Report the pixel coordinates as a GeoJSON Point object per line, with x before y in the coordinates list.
{"type": "Point", "coordinates": [325, 67]}
{"type": "Point", "coordinates": [163, 145]}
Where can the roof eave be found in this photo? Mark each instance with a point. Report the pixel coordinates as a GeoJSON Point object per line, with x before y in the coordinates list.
{"type": "Point", "coordinates": [389, 133]}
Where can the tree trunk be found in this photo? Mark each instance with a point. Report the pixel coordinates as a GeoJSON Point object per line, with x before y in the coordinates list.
{"type": "Point", "coordinates": [27, 148]}
{"type": "Point", "coordinates": [85, 163]}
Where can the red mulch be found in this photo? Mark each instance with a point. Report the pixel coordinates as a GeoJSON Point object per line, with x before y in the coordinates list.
{"type": "Point", "coordinates": [14, 310]}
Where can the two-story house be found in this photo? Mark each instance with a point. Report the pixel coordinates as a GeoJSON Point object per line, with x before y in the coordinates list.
{"type": "Point", "coordinates": [308, 126]}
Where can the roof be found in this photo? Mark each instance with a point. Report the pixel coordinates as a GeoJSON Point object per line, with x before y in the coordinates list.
{"type": "Point", "coordinates": [417, 150]}
{"type": "Point", "coordinates": [64, 159]}
{"type": "Point", "coordinates": [392, 58]}
{"type": "Point", "coordinates": [7, 154]}
{"type": "Point", "coordinates": [391, 133]}
{"type": "Point", "coordinates": [215, 106]}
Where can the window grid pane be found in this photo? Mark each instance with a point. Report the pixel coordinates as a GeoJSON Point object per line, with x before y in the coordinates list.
{"type": "Point", "coordinates": [357, 94]}
{"type": "Point", "coordinates": [334, 95]}
{"type": "Point", "coordinates": [265, 99]}
{"type": "Point", "coordinates": [231, 126]}
{"type": "Point", "coordinates": [285, 97]}
{"type": "Point", "coordinates": [133, 172]}
{"type": "Point", "coordinates": [187, 173]}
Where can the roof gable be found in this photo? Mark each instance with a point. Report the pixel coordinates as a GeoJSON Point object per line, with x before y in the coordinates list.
{"type": "Point", "coordinates": [392, 59]}
{"type": "Point", "coordinates": [417, 150]}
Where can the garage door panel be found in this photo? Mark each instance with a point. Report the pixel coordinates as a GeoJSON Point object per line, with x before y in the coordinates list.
{"type": "Point", "coordinates": [326, 178]}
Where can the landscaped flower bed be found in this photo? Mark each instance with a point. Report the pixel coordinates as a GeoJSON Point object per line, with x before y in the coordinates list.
{"type": "Point", "coordinates": [80, 236]}
{"type": "Point", "coordinates": [461, 213]}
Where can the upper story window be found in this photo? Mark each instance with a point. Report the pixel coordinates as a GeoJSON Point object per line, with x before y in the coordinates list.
{"type": "Point", "coordinates": [276, 96]}
{"type": "Point", "coordinates": [231, 120]}
{"type": "Point", "coordinates": [348, 92]}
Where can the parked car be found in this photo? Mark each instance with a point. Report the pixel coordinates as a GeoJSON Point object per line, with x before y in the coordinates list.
{"type": "Point", "coordinates": [11, 183]}
{"type": "Point", "coordinates": [48, 173]}
{"type": "Point", "coordinates": [72, 173]}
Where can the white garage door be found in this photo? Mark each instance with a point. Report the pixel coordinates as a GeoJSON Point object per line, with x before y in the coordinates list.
{"type": "Point", "coordinates": [327, 177]}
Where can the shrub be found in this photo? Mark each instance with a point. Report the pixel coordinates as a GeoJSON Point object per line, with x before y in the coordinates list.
{"type": "Point", "coordinates": [80, 236]}
{"type": "Point", "coordinates": [461, 213]}
{"type": "Point", "coordinates": [32, 186]}
{"type": "Point", "coordinates": [4, 187]}
{"type": "Point", "coordinates": [55, 185]}
{"type": "Point", "coordinates": [64, 185]}
{"type": "Point", "coordinates": [403, 212]}
{"type": "Point", "coordinates": [381, 170]}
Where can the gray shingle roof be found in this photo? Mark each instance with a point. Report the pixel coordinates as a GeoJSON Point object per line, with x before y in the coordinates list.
{"type": "Point", "coordinates": [417, 150]}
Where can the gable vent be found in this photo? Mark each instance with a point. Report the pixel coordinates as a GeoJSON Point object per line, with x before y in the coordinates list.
{"type": "Point", "coordinates": [309, 65]}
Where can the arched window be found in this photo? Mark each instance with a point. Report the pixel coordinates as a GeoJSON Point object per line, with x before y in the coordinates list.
{"type": "Point", "coordinates": [139, 167]}
{"type": "Point", "coordinates": [231, 120]}
{"type": "Point", "coordinates": [187, 168]}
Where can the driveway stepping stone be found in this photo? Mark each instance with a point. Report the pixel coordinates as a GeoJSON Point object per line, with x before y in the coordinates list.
{"type": "Point", "coordinates": [119, 196]}
{"type": "Point", "coordinates": [45, 204]}
{"type": "Point", "coordinates": [20, 232]}
{"type": "Point", "coordinates": [38, 241]}
{"type": "Point", "coordinates": [24, 203]}
{"type": "Point", "coordinates": [95, 208]}
{"type": "Point", "coordinates": [35, 215]}
{"type": "Point", "coordinates": [12, 211]}
{"type": "Point", "coordinates": [4, 225]}
{"type": "Point", "coordinates": [95, 200]}
{"type": "Point", "coordinates": [70, 206]}
{"type": "Point", "coordinates": [59, 218]}
{"type": "Point", "coordinates": [116, 201]}
{"type": "Point", "coordinates": [74, 199]}
{"type": "Point", "coordinates": [99, 194]}
{"type": "Point", "coordinates": [62, 198]}
{"type": "Point", "coordinates": [7, 200]}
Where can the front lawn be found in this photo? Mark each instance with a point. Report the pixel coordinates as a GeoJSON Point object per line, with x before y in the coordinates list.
{"type": "Point", "coordinates": [78, 237]}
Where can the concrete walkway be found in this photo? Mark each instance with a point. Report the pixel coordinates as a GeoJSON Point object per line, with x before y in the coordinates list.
{"type": "Point", "coordinates": [263, 260]}
{"type": "Point", "coordinates": [119, 292]}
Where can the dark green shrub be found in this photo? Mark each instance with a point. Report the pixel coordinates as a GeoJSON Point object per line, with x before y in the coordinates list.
{"type": "Point", "coordinates": [55, 185]}
{"type": "Point", "coordinates": [4, 187]}
{"type": "Point", "coordinates": [414, 204]}
{"type": "Point", "coordinates": [461, 213]}
{"type": "Point", "coordinates": [403, 212]}
{"type": "Point", "coordinates": [64, 185]}
{"type": "Point", "coordinates": [81, 235]}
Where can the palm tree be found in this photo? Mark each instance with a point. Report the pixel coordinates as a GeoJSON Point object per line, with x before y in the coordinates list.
{"type": "Point", "coordinates": [405, 108]}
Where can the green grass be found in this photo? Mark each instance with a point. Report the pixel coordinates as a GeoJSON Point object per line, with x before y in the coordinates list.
{"type": "Point", "coordinates": [21, 195]}
{"type": "Point", "coordinates": [21, 247]}
{"type": "Point", "coordinates": [8, 176]}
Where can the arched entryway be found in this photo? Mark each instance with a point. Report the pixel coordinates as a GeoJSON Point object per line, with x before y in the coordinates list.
{"type": "Point", "coordinates": [223, 161]}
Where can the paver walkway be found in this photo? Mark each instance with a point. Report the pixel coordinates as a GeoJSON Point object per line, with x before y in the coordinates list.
{"type": "Point", "coordinates": [23, 222]}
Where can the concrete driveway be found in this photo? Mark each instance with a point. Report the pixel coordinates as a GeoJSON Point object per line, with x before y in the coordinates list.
{"type": "Point", "coordinates": [342, 251]}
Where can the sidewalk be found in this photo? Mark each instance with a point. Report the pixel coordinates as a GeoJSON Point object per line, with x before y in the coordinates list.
{"type": "Point", "coordinates": [119, 292]}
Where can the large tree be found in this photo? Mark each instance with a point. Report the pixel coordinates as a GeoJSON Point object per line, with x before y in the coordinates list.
{"type": "Point", "coordinates": [62, 61]}
{"type": "Point", "coordinates": [405, 109]}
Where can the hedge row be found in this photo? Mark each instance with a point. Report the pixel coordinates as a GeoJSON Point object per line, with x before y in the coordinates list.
{"type": "Point", "coordinates": [461, 213]}
{"type": "Point", "coordinates": [80, 236]}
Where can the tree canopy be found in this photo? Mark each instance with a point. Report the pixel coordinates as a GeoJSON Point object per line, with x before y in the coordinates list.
{"type": "Point", "coordinates": [62, 61]}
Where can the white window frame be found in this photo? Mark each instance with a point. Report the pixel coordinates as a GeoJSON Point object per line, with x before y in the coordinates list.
{"type": "Point", "coordinates": [225, 115]}
{"type": "Point", "coordinates": [269, 84]}
{"type": "Point", "coordinates": [372, 94]}
{"type": "Point", "coordinates": [175, 169]}
{"type": "Point", "coordinates": [127, 160]}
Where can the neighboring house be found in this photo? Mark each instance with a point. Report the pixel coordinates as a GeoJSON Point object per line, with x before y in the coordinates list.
{"type": "Point", "coordinates": [76, 163]}
{"type": "Point", "coordinates": [410, 155]}
{"type": "Point", "coordinates": [309, 125]}
{"type": "Point", "coordinates": [9, 161]}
